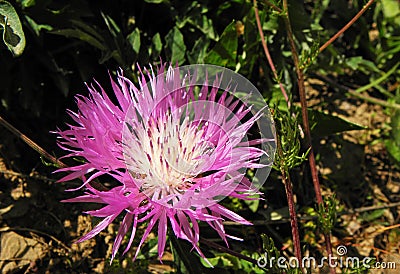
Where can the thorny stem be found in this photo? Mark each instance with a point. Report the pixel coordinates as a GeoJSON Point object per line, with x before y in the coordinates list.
{"type": "Point", "coordinates": [304, 112]}
{"type": "Point", "coordinates": [351, 22]}
{"type": "Point", "coordinates": [268, 55]}
{"type": "Point", "coordinates": [42, 151]}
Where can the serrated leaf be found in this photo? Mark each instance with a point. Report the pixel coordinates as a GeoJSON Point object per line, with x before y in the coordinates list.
{"type": "Point", "coordinates": [324, 124]}
{"type": "Point", "coordinates": [175, 46]}
{"type": "Point", "coordinates": [225, 51]}
{"type": "Point", "coordinates": [13, 35]}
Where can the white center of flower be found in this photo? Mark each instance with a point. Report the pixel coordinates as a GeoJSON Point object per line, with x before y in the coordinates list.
{"type": "Point", "coordinates": [167, 155]}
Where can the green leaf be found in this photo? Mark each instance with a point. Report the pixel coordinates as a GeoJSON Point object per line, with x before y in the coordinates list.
{"type": "Point", "coordinates": [253, 204]}
{"type": "Point", "coordinates": [13, 35]}
{"type": "Point", "coordinates": [156, 1]}
{"type": "Point", "coordinates": [156, 46]}
{"type": "Point", "coordinates": [391, 8]}
{"type": "Point", "coordinates": [251, 45]}
{"type": "Point", "coordinates": [87, 28]}
{"type": "Point", "coordinates": [134, 40]}
{"type": "Point", "coordinates": [111, 25]}
{"type": "Point", "coordinates": [198, 51]}
{"type": "Point", "coordinates": [359, 63]}
{"type": "Point", "coordinates": [394, 150]}
{"type": "Point", "coordinates": [324, 124]}
{"type": "Point", "coordinates": [186, 260]}
{"type": "Point", "coordinates": [175, 46]}
{"type": "Point", "coordinates": [37, 27]}
{"type": "Point", "coordinates": [213, 262]}
{"type": "Point", "coordinates": [27, 3]}
{"type": "Point", "coordinates": [223, 260]}
{"type": "Point", "coordinates": [225, 51]}
{"type": "Point", "coordinates": [393, 143]}
{"type": "Point", "coordinates": [376, 82]}
{"type": "Point", "coordinates": [81, 35]}
{"type": "Point", "coordinates": [373, 215]}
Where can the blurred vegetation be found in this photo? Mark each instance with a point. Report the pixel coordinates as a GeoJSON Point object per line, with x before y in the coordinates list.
{"type": "Point", "coordinates": [49, 49]}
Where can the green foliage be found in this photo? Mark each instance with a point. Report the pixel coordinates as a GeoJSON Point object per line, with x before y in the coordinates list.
{"type": "Point", "coordinates": [270, 258]}
{"type": "Point", "coordinates": [393, 142]}
{"type": "Point", "coordinates": [323, 124]}
{"type": "Point", "coordinates": [270, 251]}
{"type": "Point", "coordinates": [186, 261]}
{"type": "Point", "coordinates": [288, 135]}
{"type": "Point", "coordinates": [228, 261]}
{"type": "Point", "coordinates": [176, 48]}
{"type": "Point", "coordinates": [373, 215]}
{"type": "Point", "coordinates": [225, 51]}
{"type": "Point", "coordinates": [327, 213]}
{"type": "Point", "coordinates": [10, 25]}
{"type": "Point", "coordinates": [391, 10]}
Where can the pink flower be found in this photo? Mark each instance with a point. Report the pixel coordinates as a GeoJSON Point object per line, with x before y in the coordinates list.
{"type": "Point", "coordinates": [174, 148]}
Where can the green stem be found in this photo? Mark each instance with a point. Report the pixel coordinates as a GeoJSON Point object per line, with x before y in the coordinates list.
{"type": "Point", "coordinates": [373, 100]}
{"type": "Point", "coordinates": [378, 81]}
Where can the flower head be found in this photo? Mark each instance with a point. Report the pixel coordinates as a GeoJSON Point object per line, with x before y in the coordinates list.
{"type": "Point", "coordinates": [176, 145]}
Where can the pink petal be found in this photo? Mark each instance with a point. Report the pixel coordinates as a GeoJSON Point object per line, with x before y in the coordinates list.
{"type": "Point", "coordinates": [123, 229]}
{"type": "Point", "coordinates": [229, 214]}
{"type": "Point", "coordinates": [102, 225]}
{"type": "Point", "coordinates": [162, 234]}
